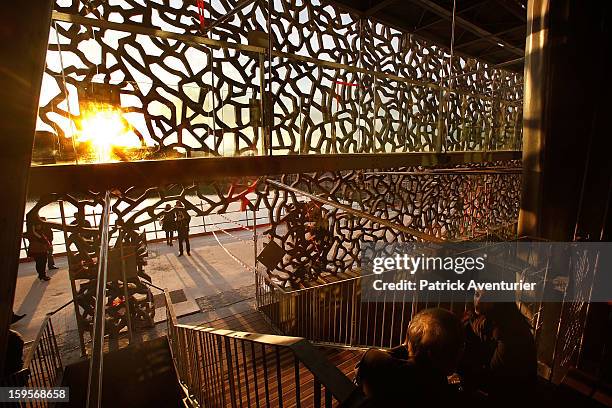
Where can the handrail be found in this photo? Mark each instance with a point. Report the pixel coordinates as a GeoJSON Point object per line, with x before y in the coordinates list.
{"type": "Point", "coordinates": [216, 367]}
{"type": "Point", "coordinates": [60, 308]}
{"type": "Point", "coordinates": [422, 235]}
{"type": "Point", "coordinates": [338, 384]}
{"type": "Point", "coordinates": [94, 385]}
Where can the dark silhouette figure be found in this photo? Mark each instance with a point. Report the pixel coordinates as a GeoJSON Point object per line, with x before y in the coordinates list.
{"type": "Point", "coordinates": [80, 220]}
{"type": "Point", "coordinates": [38, 249]}
{"type": "Point", "coordinates": [182, 227]}
{"type": "Point", "coordinates": [17, 317]}
{"type": "Point", "coordinates": [14, 356]}
{"type": "Point", "coordinates": [48, 233]}
{"type": "Point", "coordinates": [415, 373]}
{"type": "Point", "coordinates": [500, 357]}
{"type": "Point", "coordinates": [168, 223]}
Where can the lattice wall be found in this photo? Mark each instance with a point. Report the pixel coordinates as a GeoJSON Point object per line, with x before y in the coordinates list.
{"type": "Point", "coordinates": [451, 206]}
{"type": "Point", "coordinates": [192, 97]}
{"type": "Point", "coordinates": [448, 206]}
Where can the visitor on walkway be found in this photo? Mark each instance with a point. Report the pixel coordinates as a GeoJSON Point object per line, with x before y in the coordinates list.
{"type": "Point", "coordinates": [168, 223]}
{"type": "Point", "coordinates": [182, 227]}
{"type": "Point", "coordinates": [48, 233]}
{"type": "Point", "coordinates": [38, 249]}
{"type": "Point", "coordinates": [80, 220]}
{"type": "Point", "coordinates": [415, 373]}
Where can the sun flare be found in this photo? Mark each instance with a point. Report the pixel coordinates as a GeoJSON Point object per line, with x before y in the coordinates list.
{"type": "Point", "coordinates": [105, 130]}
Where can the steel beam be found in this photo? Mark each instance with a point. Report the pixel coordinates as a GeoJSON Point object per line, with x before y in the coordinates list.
{"type": "Point", "coordinates": [467, 25]}
{"type": "Point", "coordinates": [99, 177]}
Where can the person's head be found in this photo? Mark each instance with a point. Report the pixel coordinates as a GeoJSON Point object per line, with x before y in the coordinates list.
{"type": "Point", "coordinates": [167, 207]}
{"type": "Point", "coordinates": [178, 204]}
{"type": "Point", "coordinates": [485, 304]}
{"type": "Point", "coordinates": [79, 215]}
{"type": "Point", "coordinates": [436, 336]}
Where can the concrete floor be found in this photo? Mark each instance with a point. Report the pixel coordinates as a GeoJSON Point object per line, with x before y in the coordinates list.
{"type": "Point", "coordinates": [209, 273]}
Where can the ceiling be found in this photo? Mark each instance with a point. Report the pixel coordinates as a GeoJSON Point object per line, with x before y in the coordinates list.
{"type": "Point", "coordinates": [490, 30]}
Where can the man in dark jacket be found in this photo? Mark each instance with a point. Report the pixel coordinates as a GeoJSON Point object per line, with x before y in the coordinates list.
{"type": "Point", "coordinates": [182, 226]}
{"type": "Point", "coordinates": [47, 231]}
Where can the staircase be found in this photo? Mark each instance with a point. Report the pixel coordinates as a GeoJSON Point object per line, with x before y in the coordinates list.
{"type": "Point", "coordinates": [140, 375]}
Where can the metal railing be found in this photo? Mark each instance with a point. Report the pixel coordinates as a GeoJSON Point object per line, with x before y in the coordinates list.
{"type": "Point", "coordinates": [153, 230]}
{"type": "Point", "coordinates": [94, 385]}
{"type": "Point", "coordinates": [334, 313]}
{"type": "Point", "coordinates": [42, 365]}
{"type": "Point", "coordinates": [221, 368]}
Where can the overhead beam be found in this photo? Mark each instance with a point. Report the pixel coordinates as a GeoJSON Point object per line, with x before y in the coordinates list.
{"type": "Point", "coordinates": [459, 12]}
{"type": "Point", "coordinates": [467, 25]}
{"type": "Point", "coordinates": [516, 10]}
{"type": "Point", "coordinates": [379, 6]}
{"type": "Point", "coordinates": [477, 40]}
{"type": "Point", "coordinates": [107, 176]}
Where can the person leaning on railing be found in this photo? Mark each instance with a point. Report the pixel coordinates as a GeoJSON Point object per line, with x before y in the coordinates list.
{"type": "Point", "coordinates": [416, 373]}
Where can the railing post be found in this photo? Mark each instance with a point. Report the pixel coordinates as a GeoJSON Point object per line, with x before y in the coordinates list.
{"type": "Point", "coordinates": [94, 386]}
{"type": "Point", "coordinates": [126, 293]}
{"type": "Point", "coordinates": [354, 306]}
{"type": "Point", "coordinates": [255, 237]}
{"type": "Point", "coordinates": [72, 284]}
{"type": "Point", "coordinates": [203, 216]}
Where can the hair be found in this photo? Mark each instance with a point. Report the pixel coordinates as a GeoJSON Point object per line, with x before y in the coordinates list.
{"type": "Point", "coordinates": [436, 336]}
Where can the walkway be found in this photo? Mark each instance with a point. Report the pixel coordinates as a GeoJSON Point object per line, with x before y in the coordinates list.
{"type": "Point", "coordinates": [206, 281]}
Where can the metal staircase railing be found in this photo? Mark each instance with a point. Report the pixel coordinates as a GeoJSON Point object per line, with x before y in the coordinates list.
{"type": "Point", "coordinates": [225, 368]}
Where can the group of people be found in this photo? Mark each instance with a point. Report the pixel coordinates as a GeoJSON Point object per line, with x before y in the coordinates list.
{"type": "Point", "coordinates": [176, 219]}
{"type": "Point", "coordinates": [40, 236]}
{"type": "Point", "coordinates": [488, 359]}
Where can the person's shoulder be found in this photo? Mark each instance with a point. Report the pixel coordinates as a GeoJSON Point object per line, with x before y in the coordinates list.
{"type": "Point", "coordinates": [399, 352]}
{"type": "Point", "coordinates": [375, 354]}
{"type": "Point", "coordinates": [383, 359]}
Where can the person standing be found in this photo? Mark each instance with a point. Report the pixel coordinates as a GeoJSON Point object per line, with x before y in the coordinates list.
{"type": "Point", "coordinates": [168, 223]}
{"type": "Point", "coordinates": [47, 231]}
{"type": "Point", "coordinates": [182, 227]}
{"type": "Point", "coordinates": [38, 249]}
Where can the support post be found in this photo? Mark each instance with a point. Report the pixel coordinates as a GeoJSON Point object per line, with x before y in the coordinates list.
{"type": "Point", "coordinates": [126, 293]}
{"type": "Point", "coordinates": [566, 168]}
{"type": "Point", "coordinates": [24, 34]}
